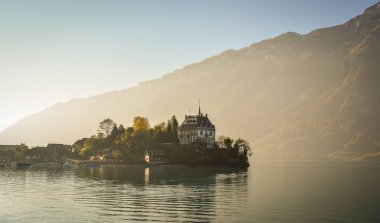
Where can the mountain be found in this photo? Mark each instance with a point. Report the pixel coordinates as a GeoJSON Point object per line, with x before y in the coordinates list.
{"type": "Point", "coordinates": [294, 96]}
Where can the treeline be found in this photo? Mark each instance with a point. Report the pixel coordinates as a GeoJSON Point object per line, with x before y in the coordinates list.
{"type": "Point", "coordinates": [129, 145]}
{"type": "Point", "coordinates": [226, 152]}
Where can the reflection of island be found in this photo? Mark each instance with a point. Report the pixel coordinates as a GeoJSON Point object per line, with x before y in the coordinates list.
{"type": "Point", "coordinates": [140, 175]}
{"type": "Point", "coordinates": [165, 193]}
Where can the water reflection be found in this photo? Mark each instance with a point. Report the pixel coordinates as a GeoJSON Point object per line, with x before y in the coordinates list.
{"type": "Point", "coordinates": [170, 194]}
{"type": "Point", "coordinates": [141, 175]}
{"type": "Point", "coordinates": [270, 191]}
{"type": "Point", "coordinates": [146, 174]}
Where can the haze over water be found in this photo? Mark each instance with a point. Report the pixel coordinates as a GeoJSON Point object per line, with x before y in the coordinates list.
{"type": "Point", "coordinates": [269, 191]}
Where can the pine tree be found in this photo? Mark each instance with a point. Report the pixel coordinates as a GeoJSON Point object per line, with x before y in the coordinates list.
{"type": "Point", "coordinates": [174, 125]}
{"type": "Point", "coordinates": [114, 132]}
{"type": "Point", "coordinates": [168, 126]}
{"type": "Point", "coordinates": [121, 130]}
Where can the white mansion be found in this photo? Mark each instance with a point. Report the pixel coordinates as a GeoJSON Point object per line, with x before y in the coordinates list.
{"type": "Point", "coordinates": [197, 129]}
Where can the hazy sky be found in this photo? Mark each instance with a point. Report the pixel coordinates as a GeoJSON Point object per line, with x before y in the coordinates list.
{"type": "Point", "coordinates": [53, 51]}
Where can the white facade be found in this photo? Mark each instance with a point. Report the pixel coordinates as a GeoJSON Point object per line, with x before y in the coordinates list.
{"type": "Point", "coordinates": [197, 129]}
{"type": "Point", "coordinates": [190, 135]}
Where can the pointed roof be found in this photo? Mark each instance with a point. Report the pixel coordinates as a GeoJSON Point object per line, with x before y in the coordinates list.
{"type": "Point", "coordinates": [199, 110]}
{"type": "Point", "coordinates": [197, 121]}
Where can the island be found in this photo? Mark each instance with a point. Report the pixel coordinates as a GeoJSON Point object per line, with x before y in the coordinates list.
{"type": "Point", "coordinates": [167, 143]}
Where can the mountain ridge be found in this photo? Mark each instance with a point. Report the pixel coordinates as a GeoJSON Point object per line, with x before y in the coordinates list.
{"type": "Point", "coordinates": [292, 96]}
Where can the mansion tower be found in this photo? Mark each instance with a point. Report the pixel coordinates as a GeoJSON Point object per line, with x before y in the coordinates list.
{"type": "Point", "coordinates": [197, 129]}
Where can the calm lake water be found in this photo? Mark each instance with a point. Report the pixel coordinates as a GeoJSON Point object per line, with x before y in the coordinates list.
{"type": "Point", "coordinates": [269, 191]}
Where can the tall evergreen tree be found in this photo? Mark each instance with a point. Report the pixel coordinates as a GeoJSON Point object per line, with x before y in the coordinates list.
{"type": "Point", "coordinates": [121, 130]}
{"type": "Point", "coordinates": [168, 126]}
{"type": "Point", "coordinates": [114, 132]}
{"type": "Point", "coordinates": [174, 125]}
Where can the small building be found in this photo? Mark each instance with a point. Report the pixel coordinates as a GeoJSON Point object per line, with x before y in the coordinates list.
{"type": "Point", "coordinates": [9, 148]}
{"type": "Point", "coordinates": [9, 153]}
{"type": "Point", "coordinates": [50, 153]}
{"type": "Point", "coordinates": [155, 157]}
{"type": "Point", "coordinates": [197, 129]}
{"type": "Point", "coordinates": [58, 148]}
{"type": "Point", "coordinates": [110, 154]}
{"type": "Point", "coordinates": [36, 154]}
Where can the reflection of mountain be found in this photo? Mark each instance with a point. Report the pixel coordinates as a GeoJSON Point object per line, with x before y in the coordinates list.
{"type": "Point", "coordinates": [292, 96]}
{"type": "Point", "coordinates": [167, 194]}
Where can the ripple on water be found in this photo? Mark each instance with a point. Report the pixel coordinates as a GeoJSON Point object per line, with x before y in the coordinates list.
{"type": "Point", "coordinates": [268, 192]}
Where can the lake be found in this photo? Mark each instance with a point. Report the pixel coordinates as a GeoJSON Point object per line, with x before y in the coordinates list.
{"type": "Point", "coordinates": [269, 191]}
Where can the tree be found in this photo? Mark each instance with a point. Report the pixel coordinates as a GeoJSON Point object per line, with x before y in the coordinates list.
{"type": "Point", "coordinates": [88, 147]}
{"type": "Point", "coordinates": [160, 127]}
{"type": "Point", "coordinates": [105, 127]}
{"type": "Point", "coordinates": [171, 131]}
{"type": "Point", "coordinates": [240, 151]}
{"type": "Point", "coordinates": [174, 125]}
{"type": "Point", "coordinates": [242, 145]}
{"type": "Point", "coordinates": [159, 132]}
{"type": "Point", "coordinates": [228, 142]}
{"type": "Point", "coordinates": [114, 132]}
{"type": "Point", "coordinates": [220, 141]}
{"type": "Point", "coordinates": [78, 145]}
{"type": "Point", "coordinates": [140, 124]}
{"type": "Point", "coordinates": [121, 130]}
{"type": "Point", "coordinates": [168, 126]}
{"type": "Point", "coordinates": [129, 131]}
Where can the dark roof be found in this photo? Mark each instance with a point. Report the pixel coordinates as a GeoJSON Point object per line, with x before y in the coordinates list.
{"type": "Point", "coordinates": [35, 150]}
{"type": "Point", "coordinates": [10, 147]}
{"type": "Point", "coordinates": [197, 121]}
{"type": "Point", "coordinates": [57, 146]}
